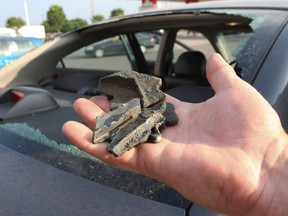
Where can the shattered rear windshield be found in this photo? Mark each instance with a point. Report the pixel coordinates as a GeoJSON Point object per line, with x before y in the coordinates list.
{"type": "Point", "coordinates": [248, 41]}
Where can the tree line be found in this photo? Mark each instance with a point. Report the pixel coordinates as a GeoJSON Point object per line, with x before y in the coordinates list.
{"type": "Point", "coordinates": [56, 20]}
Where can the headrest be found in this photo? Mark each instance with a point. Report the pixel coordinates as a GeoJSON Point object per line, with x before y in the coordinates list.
{"type": "Point", "coordinates": [191, 64]}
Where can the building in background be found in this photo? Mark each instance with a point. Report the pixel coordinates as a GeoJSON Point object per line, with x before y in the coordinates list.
{"type": "Point", "coordinates": [4, 31]}
{"type": "Point", "coordinates": [153, 4]}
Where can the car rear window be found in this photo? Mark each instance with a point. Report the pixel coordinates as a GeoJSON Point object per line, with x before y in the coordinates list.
{"type": "Point", "coordinates": [249, 43]}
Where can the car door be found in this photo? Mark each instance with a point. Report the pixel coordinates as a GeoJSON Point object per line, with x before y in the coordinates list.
{"type": "Point", "coordinates": [115, 46]}
{"type": "Point", "coordinates": [272, 80]}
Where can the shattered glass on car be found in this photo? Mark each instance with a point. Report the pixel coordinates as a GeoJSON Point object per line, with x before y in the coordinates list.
{"type": "Point", "coordinates": [39, 136]}
{"type": "Point", "coordinates": [252, 42]}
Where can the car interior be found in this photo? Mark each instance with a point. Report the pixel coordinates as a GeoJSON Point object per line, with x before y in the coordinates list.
{"type": "Point", "coordinates": [36, 98]}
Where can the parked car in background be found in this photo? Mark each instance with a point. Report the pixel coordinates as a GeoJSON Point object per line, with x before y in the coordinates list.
{"type": "Point", "coordinates": [157, 35]}
{"type": "Point", "coordinates": [13, 47]}
{"type": "Point", "coordinates": [42, 173]}
{"type": "Point", "coordinates": [114, 46]}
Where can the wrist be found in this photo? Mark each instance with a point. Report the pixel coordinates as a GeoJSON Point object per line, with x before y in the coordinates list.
{"type": "Point", "coordinates": [273, 198]}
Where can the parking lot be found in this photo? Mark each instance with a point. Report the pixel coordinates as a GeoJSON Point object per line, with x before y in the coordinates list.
{"type": "Point", "coordinates": [78, 59]}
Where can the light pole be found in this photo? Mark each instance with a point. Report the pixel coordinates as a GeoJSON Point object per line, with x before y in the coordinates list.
{"type": "Point", "coordinates": [26, 13]}
{"type": "Point", "coordinates": [92, 6]}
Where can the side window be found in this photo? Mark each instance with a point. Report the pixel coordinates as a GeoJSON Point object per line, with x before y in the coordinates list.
{"type": "Point", "coordinates": [110, 54]}
{"type": "Point", "coordinates": [192, 40]}
{"type": "Point", "coordinates": [149, 43]}
{"type": "Point", "coordinates": [230, 43]}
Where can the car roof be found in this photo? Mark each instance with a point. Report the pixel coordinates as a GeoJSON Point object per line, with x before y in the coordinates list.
{"type": "Point", "coordinates": [277, 4]}
{"type": "Point", "coordinates": [207, 5]}
{"type": "Point", "coordinates": [280, 4]}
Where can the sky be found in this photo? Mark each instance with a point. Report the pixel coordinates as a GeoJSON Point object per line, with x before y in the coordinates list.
{"type": "Point", "coordinates": [37, 9]}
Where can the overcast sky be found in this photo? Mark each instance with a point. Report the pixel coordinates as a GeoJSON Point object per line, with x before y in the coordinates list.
{"type": "Point", "coordinates": [37, 9]}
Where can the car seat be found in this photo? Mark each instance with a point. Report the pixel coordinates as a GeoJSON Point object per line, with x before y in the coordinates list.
{"type": "Point", "coordinates": [190, 68]}
{"type": "Point", "coordinates": [189, 83]}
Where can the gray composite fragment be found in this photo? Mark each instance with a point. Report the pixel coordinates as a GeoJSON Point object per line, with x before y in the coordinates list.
{"type": "Point", "coordinates": [135, 133]}
{"type": "Point", "coordinates": [126, 85]}
{"type": "Point", "coordinates": [107, 124]}
{"type": "Point", "coordinates": [171, 117]}
{"type": "Point", "coordinates": [155, 135]}
{"type": "Point", "coordinates": [139, 111]}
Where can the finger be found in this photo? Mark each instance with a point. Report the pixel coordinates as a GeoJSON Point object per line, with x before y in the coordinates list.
{"type": "Point", "coordinates": [219, 73]}
{"type": "Point", "coordinates": [101, 102]}
{"type": "Point", "coordinates": [171, 99]}
{"type": "Point", "coordinates": [87, 110]}
{"type": "Point", "coordinates": [81, 136]}
{"type": "Point", "coordinates": [78, 133]}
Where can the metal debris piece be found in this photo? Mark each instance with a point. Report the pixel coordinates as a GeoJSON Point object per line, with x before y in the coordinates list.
{"type": "Point", "coordinates": [135, 133]}
{"type": "Point", "coordinates": [139, 111]}
{"type": "Point", "coordinates": [107, 124]}
{"type": "Point", "coordinates": [155, 135]}
{"type": "Point", "coordinates": [168, 111]}
{"type": "Point", "coordinates": [126, 85]}
{"type": "Point", "coordinates": [171, 117]}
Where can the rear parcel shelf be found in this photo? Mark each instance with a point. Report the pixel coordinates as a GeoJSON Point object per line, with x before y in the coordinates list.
{"type": "Point", "coordinates": [23, 100]}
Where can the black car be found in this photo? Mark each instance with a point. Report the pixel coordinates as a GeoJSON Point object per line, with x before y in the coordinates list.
{"type": "Point", "coordinates": [42, 173]}
{"type": "Point", "coordinates": [114, 45]}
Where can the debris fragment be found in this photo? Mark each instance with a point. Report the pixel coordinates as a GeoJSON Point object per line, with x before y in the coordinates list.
{"type": "Point", "coordinates": [139, 111]}
{"type": "Point", "coordinates": [108, 124]}
{"type": "Point", "coordinates": [135, 133]}
{"type": "Point", "coordinates": [126, 85]}
{"type": "Point", "coordinates": [171, 117]}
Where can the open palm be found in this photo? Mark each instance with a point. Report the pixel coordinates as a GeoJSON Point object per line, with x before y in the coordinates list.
{"type": "Point", "coordinates": [215, 156]}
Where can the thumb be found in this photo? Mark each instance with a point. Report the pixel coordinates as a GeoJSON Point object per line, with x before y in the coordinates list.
{"type": "Point", "coordinates": [219, 73]}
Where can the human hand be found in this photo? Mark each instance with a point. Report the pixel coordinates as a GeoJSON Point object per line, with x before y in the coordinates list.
{"type": "Point", "coordinates": [225, 154]}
